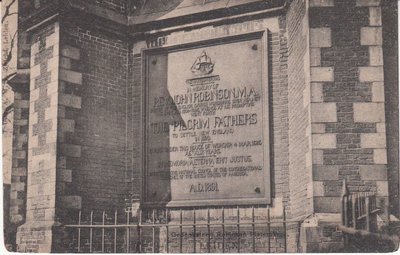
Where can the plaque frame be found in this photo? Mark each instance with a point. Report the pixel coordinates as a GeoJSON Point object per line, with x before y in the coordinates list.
{"type": "Point", "coordinates": [146, 54]}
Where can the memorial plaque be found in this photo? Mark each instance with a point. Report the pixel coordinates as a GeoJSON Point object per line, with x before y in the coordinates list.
{"type": "Point", "coordinates": [206, 130]}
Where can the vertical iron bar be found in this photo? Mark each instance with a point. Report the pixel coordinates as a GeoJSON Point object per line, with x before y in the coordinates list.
{"type": "Point", "coordinates": [91, 232]}
{"type": "Point", "coordinates": [269, 229]}
{"type": "Point", "coordinates": [223, 230]}
{"type": "Point", "coordinates": [154, 231]}
{"type": "Point", "coordinates": [127, 232]}
{"type": "Point", "coordinates": [345, 211]}
{"type": "Point", "coordinates": [102, 233]}
{"type": "Point", "coordinates": [115, 230]}
{"type": "Point", "coordinates": [367, 212]}
{"type": "Point", "coordinates": [180, 231]}
{"type": "Point", "coordinates": [353, 210]}
{"type": "Point", "coordinates": [253, 229]}
{"type": "Point", "coordinates": [139, 230]}
{"type": "Point", "coordinates": [79, 231]}
{"type": "Point", "coordinates": [194, 230]}
{"type": "Point", "coordinates": [238, 228]}
{"type": "Point", "coordinates": [167, 229]}
{"type": "Point", "coordinates": [284, 229]}
{"type": "Point", "coordinates": [209, 232]}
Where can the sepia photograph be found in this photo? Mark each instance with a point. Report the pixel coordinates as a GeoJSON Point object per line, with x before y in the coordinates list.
{"type": "Point", "coordinates": [200, 126]}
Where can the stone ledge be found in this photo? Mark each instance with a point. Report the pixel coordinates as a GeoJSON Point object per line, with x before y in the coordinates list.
{"type": "Point", "coordinates": [363, 3]}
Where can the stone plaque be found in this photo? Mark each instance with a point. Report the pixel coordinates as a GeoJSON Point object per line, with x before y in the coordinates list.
{"type": "Point", "coordinates": [206, 128]}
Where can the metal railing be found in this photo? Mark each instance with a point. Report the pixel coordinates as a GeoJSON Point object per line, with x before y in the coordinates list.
{"type": "Point", "coordinates": [359, 210]}
{"type": "Point", "coordinates": [219, 230]}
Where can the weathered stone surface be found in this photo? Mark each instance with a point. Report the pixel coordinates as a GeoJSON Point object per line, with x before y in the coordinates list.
{"type": "Point", "coordinates": [316, 92]}
{"type": "Point", "coordinates": [318, 157]}
{"type": "Point", "coordinates": [363, 3]}
{"type": "Point", "coordinates": [315, 56]}
{"type": "Point", "coordinates": [370, 73]}
{"type": "Point", "coordinates": [318, 189]}
{"type": "Point", "coordinates": [369, 112]}
{"type": "Point", "coordinates": [66, 125]}
{"type": "Point", "coordinates": [71, 202]}
{"type": "Point", "coordinates": [323, 112]}
{"type": "Point", "coordinates": [380, 127]}
{"type": "Point", "coordinates": [378, 93]}
{"type": "Point", "coordinates": [70, 52]}
{"type": "Point", "coordinates": [327, 205]}
{"type": "Point", "coordinates": [65, 175]}
{"type": "Point", "coordinates": [318, 128]}
{"type": "Point", "coordinates": [380, 156]}
{"type": "Point", "coordinates": [322, 74]}
{"type": "Point", "coordinates": [373, 172]}
{"type": "Point", "coordinates": [371, 36]}
{"type": "Point", "coordinates": [70, 100]}
{"type": "Point", "coordinates": [70, 150]}
{"type": "Point", "coordinates": [322, 3]}
{"type": "Point", "coordinates": [375, 56]}
{"type": "Point", "coordinates": [382, 188]}
{"type": "Point", "coordinates": [324, 141]}
{"type": "Point", "coordinates": [71, 76]}
{"type": "Point", "coordinates": [374, 141]}
{"type": "Point", "coordinates": [325, 172]}
{"type": "Point", "coordinates": [320, 37]}
{"type": "Point", "coordinates": [375, 16]}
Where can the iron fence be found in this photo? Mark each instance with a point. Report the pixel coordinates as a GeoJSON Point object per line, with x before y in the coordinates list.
{"type": "Point", "coordinates": [219, 230]}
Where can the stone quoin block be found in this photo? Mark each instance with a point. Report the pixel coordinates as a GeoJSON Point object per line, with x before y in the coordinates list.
{"type": "Point", "coordinates": [66, 125]}
{"type": "Point", "coordinates": [327, 205]}
{"type": "Point", "coordinates": [318, 188]}
{"type": "Point", "coordinates": [363, 3]}
{"type": "Point", "coordinates": [375, 56]}
{"type": "Point", "coordinates": [320, 37]}
{"type": "Point", "coordinates": [373, 140]}
{"type": "Point", "coordinates": [322, 3]}
{"type": "Point", "coordinates": [319, 74]}
{"type": "Point", "coordinates": [318, 128]}
{"type": "Point", "coordinates": [382, 188]}
{"type": "Point", "coordinates": [318, 157]}
{"type": "Point", "coordinates": [323, 112]}
{"type": "Point", "coordinates": [375, 16]}
{"type": "Point", "coordinates": [70, 150]}
{"type": "Point", "coordinates": [380, 127]}
{"type": "Point", "coordinates": [71, 202]}
{"type": "Point", "coordinates": [65, 175]}
{"type": "Point", "coordinates": [371, 36]}
{"type": "Point", "coordinates": [70, 52]}
{"type": "Point", "coordinates": [324, 141]}
{"type": "Point", "coordinates": [378, 92]}
{"type": "Point", "coordinates": [315, 56]}
{"type": "Point", "coordinates": [71, 76]}
{"type": "Point", "coordinates": [371, 73]}
{"type": "Point", "coordinates": [325, 172]}
{"type": "Point", "coordinates": [65, 63]}
{"type": "Point", "coordinates": [369, 112]}
{"type": "Point", "coordinates": [70, 100]}
{"type": "Point", "coordinates": [380, 156]}
{"type": "Point", "coordinates": [317, 95]}
{"type": "Point", "coordinates": [373, 172]}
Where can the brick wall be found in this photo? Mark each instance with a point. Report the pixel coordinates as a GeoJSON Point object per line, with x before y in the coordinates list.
{"type": "Point", "coordinates": [99, 172]}
{"type": "Point", "coordinates": [348, 115]}
{"type": "Point", "coordinates": [299, 116]}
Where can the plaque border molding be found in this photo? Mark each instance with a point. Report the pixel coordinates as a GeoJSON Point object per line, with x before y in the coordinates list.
{"type": "Point", "coordinates": [148, 52]}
